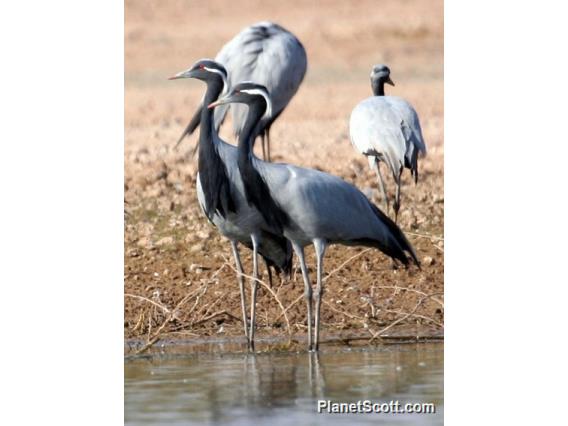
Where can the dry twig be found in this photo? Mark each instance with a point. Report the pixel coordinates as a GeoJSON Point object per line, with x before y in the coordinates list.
{"type": "Point", "coordinates": [345, 263]}
{"type": "Point", "coordinates": [157, 334]}
{"type": "Point", "coordinates": [262, 283]}
{"type": "Point", "coordinates": [145, 299]}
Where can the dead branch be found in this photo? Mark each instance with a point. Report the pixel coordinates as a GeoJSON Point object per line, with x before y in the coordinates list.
{"type": "Point", "coordinates": [415, 315]}
{"type": "Point", "coordinates": [427, 296]}
{"type": "Point", "coordinates": [145, 299]}
{"type": "Point", "coordinates": [409, 314]}
{"type": "Point", "coordinates": [262, 283]}
{"type": "Point", "coordinates": [289, 306]}
{"type": "Point", "coordinates": [345, 263]}
{"type": "Point", "coordinates": [214, 315]}
{"type": "Point", "coordinates": [325, 302]}
{"type": "Point", "coordinates": [157, 334]}
{"type": "Point", "coordinates": [430, 236]}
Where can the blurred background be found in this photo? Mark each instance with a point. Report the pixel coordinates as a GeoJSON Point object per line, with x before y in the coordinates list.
{"type": "Point", "coordinates": [343, 39]}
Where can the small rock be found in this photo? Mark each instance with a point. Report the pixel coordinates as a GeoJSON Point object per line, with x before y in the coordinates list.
{"type": "Point", "coordinates": [145, 242]}
{"type": "Point", "coordinates": [165, 241]}
{"type": "Point", "coordinates": [196, 248]}
{"type": "Point", "coordinates": [427, 260]}
{"type": "Point", "coordinates": [205, 234]}
{"type": "Point", "coordinates": [133, 253]}
{"type": "Point", "coordinates": [194, 267]}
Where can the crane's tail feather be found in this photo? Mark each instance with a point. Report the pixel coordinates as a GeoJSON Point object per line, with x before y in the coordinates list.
{"type": "Point", "coordinates": [283, 262]}
{"type": "Point", "coordinates": [276, 251]}
{"type": "Point", "coordinates": [193, 124]}
{"type": "Point", "coordinates": [398, 246]}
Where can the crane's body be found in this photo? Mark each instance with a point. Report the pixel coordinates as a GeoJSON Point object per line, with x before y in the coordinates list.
{"type": "Point", "coordinates": [221, 194]}
{"type": "Point", "coordinates": [309, 206]}
{"type": "Point", "coordinates": [387, 129]}
{"type": "Point", "coordinates": [322, 205]}
{"type": "Point", "coordinates": [246, 220]}
{"type": "Point", "coordinates": [270, 55]}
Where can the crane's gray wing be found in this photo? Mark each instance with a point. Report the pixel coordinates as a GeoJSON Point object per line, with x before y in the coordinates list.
{"type": "Point", "coordinates": [410, 125]}
{"type": "Point", "coordinates": [321, 205]}
{"type": "Point", "coordinates": [267, 54]}
{"type": "Point", "coordinates": [411, 122]}
{"type": "Point", "coordinates": [376, 129]}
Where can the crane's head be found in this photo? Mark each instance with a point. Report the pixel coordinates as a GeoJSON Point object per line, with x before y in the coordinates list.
{"type": "Point", "coordinates": [205, 70]}
{"type": "Point", "coordinates": [381, 73]}
{"type": "Point", "coordinates": [248, 93]}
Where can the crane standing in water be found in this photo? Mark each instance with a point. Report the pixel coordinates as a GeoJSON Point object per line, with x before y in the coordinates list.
{"type": "Point", "coordinates": [309, 206]}
{"type": "Point", "coordinates": [221, 194]}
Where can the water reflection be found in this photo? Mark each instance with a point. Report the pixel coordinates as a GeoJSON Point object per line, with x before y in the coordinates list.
{"type": "Point", "coordinates": [283, 388]}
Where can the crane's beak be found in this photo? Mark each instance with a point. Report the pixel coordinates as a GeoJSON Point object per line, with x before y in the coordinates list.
{"type": "Point", "coordinates": [183, 74]}
{"type": "Point", "coordinates": [389, 81]}
{"type": "Point", "coordinates": [218, 102]}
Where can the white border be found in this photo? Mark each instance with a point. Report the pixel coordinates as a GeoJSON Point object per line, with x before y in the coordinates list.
{"type": "Point", "coordinates": [61, 224]}
{"type": "Point", "coordinates": [62, 212]}
{"type": "Point", "coordinates": [505, 232]}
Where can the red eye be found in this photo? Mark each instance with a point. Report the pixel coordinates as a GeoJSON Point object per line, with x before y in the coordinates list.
{"type": "Point", "coordinates": [201, 66]}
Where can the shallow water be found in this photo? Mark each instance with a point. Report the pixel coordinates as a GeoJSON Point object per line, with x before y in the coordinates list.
{"type": "Point", "coordinates": [283, 388]}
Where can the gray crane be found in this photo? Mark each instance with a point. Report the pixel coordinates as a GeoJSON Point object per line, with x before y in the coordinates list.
{"type": "Point", "coordinates": [270, 55]}
{"type": "Point", "coordinates": [311, 207]}
{"type": "Point", "coordinates": [221, 194]}
{"type": "Point", "coordinates": [387, 129]}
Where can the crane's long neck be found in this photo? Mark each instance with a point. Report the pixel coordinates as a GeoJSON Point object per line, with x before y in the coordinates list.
{"type": "Point", "coordinates": [212, 170]}
{"type": "Point", "coordinates": [248, 133]}
{"type": "Point", "coordinates": [378, 86]}
{"type": "Point", "coordinates": [257, 192]}
{"type": "Point", "coordinates": [214, 89]}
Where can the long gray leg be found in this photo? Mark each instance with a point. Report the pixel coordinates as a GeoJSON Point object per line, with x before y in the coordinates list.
{"type": "Point", "coordinates": [396, 204]}
{"type": "Point", "coordinates": [320, 246]}
{"type": "Point", "coordinates": [254, 287]}
{"type": "Point", "coordinates": [317, 382]}
{"type": "Point", "coordinates": [241, 286]}
{"type": "Point", "coordinates": [381, 184]}
{"type": "Point", "coordinates": [307, 288]}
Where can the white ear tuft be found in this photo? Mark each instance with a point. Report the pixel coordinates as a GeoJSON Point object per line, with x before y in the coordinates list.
{"type": "Point", "coordinates": [222, 74]}
{"type": "Point", "coordinates": [264, 94]}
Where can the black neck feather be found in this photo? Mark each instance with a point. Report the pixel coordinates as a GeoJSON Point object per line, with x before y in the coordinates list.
{"type": "Point", "coordinates": [256, 190]}
{"type": "Point", "coordinates": [212, 171]}
{"type": "Point", "coordinates": [378, 86]}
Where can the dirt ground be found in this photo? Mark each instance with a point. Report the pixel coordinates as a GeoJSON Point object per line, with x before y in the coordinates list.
{"type": "Point", "coordinates": [178, 277]}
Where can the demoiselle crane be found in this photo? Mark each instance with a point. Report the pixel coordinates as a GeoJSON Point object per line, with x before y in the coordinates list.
{"type": "Point", "coordinates": [221, 194]}
{"type": "Point", "coordinates": [270, 55]}
{"type": "Point", "coordinates": [311, 207]}
{"type": "Point", "coordinates": [387, 129]}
